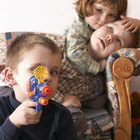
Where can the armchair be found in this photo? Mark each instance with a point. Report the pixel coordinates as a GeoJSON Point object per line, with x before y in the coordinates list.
{"type": "Point", "coordinates": [121, 65]}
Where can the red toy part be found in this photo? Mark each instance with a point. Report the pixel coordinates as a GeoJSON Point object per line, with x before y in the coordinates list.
{"type": "Point", "coordinates": [46, 90]}
{"type": "Point", "coordinates": [43, 101]}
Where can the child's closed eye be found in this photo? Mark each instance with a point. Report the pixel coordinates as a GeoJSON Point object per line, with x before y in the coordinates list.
{"type": "Point", "coordinates": [111, 29]}
{"type": "Point", "coordinates": [119, 41]}
{"type": "Point", "coordinates": [112, 15]}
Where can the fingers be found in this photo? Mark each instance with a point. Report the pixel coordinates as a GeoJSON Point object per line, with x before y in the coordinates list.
{"type": "Point", "coordinates": [31, 115]}
{"type": "Point", "coordinates": [130, 28]}
{"type": "Point", "coordinates": [25, 114]}
{"type": "Point", "coordinates": [32, 119]}
{"type": "Point", "coordinates": [78, 105]}
{"type": "Point", "coordinates": [123, 17]}
{"type": "Point", "coordinates": [130, 24]}
{"type": "Point", "coordinates": [135, 29]}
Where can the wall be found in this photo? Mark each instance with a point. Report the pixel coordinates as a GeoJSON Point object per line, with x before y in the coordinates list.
{"type": "Point", "coordinates": [134, 11]}
{"type": "Point", "coordinates": [35, 15]}
{"type": "Point", "coordinates": [134, 8]}
{"type": "Point", "coordinates": [46, 16]}
{"type": "Point", "coordinates": [43, 15]}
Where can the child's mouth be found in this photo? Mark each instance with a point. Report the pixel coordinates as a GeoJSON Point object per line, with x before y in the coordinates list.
{"type": "Point", "coordinates": [102, 42]}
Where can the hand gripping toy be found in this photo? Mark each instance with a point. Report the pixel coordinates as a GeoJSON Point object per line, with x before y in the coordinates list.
{"type": "Point", "coordinates": [38, 89]}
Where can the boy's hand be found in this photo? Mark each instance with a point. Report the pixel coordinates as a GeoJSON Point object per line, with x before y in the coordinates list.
{"type": "Point", "coordinates": [102, 65]}
{"type": "Point", "coordinates": [130, 24]}
{"type": "Point", "coordinates": [25, 114]}
{"type": "Point", "coordinates": [71, 100]}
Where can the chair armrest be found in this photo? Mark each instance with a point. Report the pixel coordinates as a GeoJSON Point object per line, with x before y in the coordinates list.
{"type": "Point", "coordinates": [121, 65]}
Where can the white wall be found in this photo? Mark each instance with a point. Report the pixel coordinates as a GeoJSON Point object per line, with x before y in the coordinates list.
{"type": "Point", "coordinates": [134, 8]}
{"type": "Point", "coordinates": [46, 16]}
{"type": "Point", "coordinates": [35, 15]}
{"type": "Point", "coordinates": [134, 11]}
{"type": "Point", "coordinates": [43, 15]}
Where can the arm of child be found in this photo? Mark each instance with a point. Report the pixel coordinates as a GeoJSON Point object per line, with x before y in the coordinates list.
{"type": "Point", "coordinates": [76, 49]}
{"type": "Point", "coordinates": [130, 24]}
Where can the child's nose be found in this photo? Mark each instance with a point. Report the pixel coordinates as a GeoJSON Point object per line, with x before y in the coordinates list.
{"type": "Point", "coordinates": [48, 79]}
{"type": "Point", "coordinates": [109, 38]}
{"type": "Point", "coordinates": [103, 19]}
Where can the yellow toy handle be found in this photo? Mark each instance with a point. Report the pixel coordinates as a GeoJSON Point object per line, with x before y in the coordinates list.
{"type": "Point", "coordinates": [41, 73]}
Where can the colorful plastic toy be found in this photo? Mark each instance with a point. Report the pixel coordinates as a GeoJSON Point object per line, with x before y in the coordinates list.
{"type": "Point", "coordinates": [38, 89]}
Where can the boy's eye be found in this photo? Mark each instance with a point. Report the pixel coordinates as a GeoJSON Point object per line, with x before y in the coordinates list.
{"type": "Point", "coordinates": [112, 15]}
{"type": "Point", "coordinates": [98, 10]}
{"type": "Point", "coordinates": [32, 69]}
{"type": "Point", "coordinates": [119, 41]}
{"type": "Point", "coordinates": [55, 73]}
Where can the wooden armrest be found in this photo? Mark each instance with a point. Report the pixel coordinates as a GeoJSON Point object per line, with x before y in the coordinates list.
{"type": "Point", "coordinates": [121, 65]}
{"type": "Point", "coordinates": [123, 69]}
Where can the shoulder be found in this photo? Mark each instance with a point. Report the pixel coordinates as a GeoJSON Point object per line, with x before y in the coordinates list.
{"type": "Point", "coordinates": [5, 91]}
{"type": "Point", "coordinates": [5, 110]}
{"type": "Point", "coordinates": [79, 22]}
{"type": "Point", "coordinates": [78, 28]}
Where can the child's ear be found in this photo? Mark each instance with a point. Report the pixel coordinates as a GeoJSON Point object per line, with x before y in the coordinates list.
{"type": "Point", "coordinates": [8, 74]}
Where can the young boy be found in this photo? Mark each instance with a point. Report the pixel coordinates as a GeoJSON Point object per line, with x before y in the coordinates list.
{"type": "Point", "coordinates": [18, 118]}
{"type": "Point", "coordinates": [78, 90]}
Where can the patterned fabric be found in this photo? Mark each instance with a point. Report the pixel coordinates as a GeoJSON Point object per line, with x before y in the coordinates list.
{"type": "Point", "coordinates": [3, 48]}
{"type": "Point", "coordinates": [72, 82]}
{"type": "Point", "coordinates": [77, 41]}
{"type": "Point", "coordinates": [5, 40]}
{"type": "Point", "coordinates": [112, 92]}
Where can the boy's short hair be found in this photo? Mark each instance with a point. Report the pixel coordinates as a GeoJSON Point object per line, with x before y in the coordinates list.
{"type": "Point", "coordinates": [24, 43]}
{"type": "Point", "coordinates": [135, 39]}
{"type": "Point", "coordinates": [84, 8]}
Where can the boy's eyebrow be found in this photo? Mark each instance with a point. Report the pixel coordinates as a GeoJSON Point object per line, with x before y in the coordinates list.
{"type": "Point", "coordinates": [36, 65]}
{"type": "Point", "coordinates": [40, 64]}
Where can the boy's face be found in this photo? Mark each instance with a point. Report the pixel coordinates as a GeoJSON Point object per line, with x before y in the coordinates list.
{"type": "Point", "coordinates": [35, 57]}
{"type": "Point", "coordinates": [108, 39]}
{"type": "Point", "coordinates": [102, 15]}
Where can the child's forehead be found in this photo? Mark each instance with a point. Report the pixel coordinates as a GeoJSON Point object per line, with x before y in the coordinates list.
{"type": "Point", "coordinates": [34, 59]}
{"type": "Point", "coordinates": [110, 6]}
{"type": "Point", "coordinates": [40, 51]}
{"type": "Point", "coordinates": [49, 49]}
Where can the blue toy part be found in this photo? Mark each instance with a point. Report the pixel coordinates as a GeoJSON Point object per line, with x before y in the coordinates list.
{"type": "Point", "coordinates": [38, 92]}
